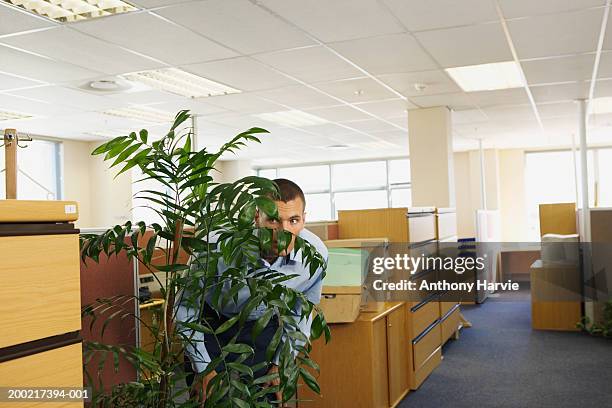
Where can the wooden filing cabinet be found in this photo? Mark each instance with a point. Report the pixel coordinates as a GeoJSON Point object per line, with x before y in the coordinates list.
{"type": "Point", "coordinates": [40, 313]}
{"type": "Point", "coordinates": [366, 364]}
{"type": "Point", "coordinates": [424, 331]}
{"type": "Point", "coordinates": [398, 225]}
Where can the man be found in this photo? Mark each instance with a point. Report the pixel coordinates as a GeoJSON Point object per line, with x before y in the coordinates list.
{"type": "Point", "coordinates": [291, 211]}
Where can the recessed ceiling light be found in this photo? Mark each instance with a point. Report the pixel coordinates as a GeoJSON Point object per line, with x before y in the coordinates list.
{"type": "Point", "coordinates": [143, 113]}
{"type": "Point", "coordinates": [66, 11]}
{"type": "Point", "coordinates": [601, 105]}
{"type": "Point", "coordinates": [487, 77]}
{"type": "Point", "coordinates": [180, 82]}
{"type": "Point", "coordinates": [6, 115]}
{"type": "Point", "coordinates": [292, 118]}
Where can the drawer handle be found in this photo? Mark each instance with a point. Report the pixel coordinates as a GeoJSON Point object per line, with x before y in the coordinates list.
{"type": "Point", "coordinates": [332, 296]}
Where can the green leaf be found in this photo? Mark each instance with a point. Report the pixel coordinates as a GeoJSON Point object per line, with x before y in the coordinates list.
{"type": "Point", "coordinates": [238, 348]}
{"type": "Point", "coordinates": [310, 381]}
{"type": "Point", "coordinates": [271, 349]}
{"type": "Point", "coordinates": [268, 206]}
{"type": "Point", "coordinates": [144, 135]}
{"type": "Point", "coordinates": [261, 323]}
{"type": "Point", "coordinates": [240, 403]}
{"type": "Point", "coordinates": [227, 325]}
{"type": "Point", "coordinates": [244, 369]}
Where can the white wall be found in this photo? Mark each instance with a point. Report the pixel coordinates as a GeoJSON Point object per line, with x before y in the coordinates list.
{"type": "Point", "coordinates": [513, 205]}
{"type": "Point", "coordinates": [103, 200]}
{"type": "Point", "coordinates": [229, 171]}
{"type": "Point", "coordinates": [76, 179]}
{"type": "Point", "coordinates": [505, 191]}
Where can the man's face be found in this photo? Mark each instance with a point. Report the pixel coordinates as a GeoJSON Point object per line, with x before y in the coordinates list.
{"type": "Point", "coordinates": [291, 218]}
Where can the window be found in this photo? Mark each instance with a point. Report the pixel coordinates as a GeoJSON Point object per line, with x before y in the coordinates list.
{"type": "Point", "coordinates": [358, 200]}
{"type": "Point", "coordinates": [318, 207]}
{"type": "Point", "coordinates": [362, 175]}
{"type": "Point", "coordinates": [604, 173]}
{"type": "Point", "coordinates": [550, 178]}
{"type": "Point", "coordinates": [349, 186]}
{"type": "Point", "coordinates": [38, 172]}
{"type": "Point", "coordinates": [309, 178]}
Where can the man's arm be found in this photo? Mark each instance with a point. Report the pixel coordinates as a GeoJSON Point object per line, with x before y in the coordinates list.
{"type": "Point", "coordinates": [188, 311]}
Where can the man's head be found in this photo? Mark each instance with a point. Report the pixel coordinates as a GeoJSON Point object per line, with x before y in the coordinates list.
{"type": "Point", "coordinates": [290, 211]}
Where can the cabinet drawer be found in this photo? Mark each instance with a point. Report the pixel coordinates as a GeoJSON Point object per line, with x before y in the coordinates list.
{"type": "Point", "coordinates": [340, 308]}
{"type": "Point", "coordinates": [446, 307]}
{"type": "Point", "coordinates": [424, 345]}
{"type": "Point", "coordinates": [422, 373]}
{"type": "Point", "coordinates": [449, 325]}
{"type": "Point", "coordinates": [40, 288]}
{"type": "Point", "coordinates": [421, 228]}
{"type": "Point", "coordinates": [424, 316]}
{"type": "Point", "coordinates": [58, 368]}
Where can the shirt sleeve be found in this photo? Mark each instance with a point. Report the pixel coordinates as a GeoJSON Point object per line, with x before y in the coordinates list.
{"type": "Point", "coordinates": [187, 311]}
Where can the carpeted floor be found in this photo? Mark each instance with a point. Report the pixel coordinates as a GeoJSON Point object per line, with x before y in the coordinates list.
{"type": "Point", "coordinates": [501, 362]}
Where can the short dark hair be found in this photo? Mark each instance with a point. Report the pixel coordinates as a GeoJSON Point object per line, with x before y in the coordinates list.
{"type": "Point", "coordinates": [289, 191]}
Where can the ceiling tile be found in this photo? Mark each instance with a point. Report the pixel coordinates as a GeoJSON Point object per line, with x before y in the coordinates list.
{"type": "Point", "coordinates": [558, 34]}
{"type": "Point", "coordinates": [15, 103]}
{"type": "Point", "coordinates": [425, 15]}
{"type": "Point", "coordinates": [310, 64]}
{"type": "Point", "coordinates": [339, 113]}
{"type": "Point", "coordinates": [149, 4]}
{"type": "Point", "coordinates": [42, 69]}
{"type": "Point", "coordinates": [563, 69]}
{"type": "Point", "coordinates": [13, 82]}
{"type": "Point", "coordinates": [242, 73]}
{"type": "Point", "coordinates": [327, 129]}
{"type": "Point", "coordinates": [436, 82]}
{"type": "Point", "coordinates": [370, 125]}
{"type": "Point", "coordinates": [471, 45]}
{"type": "Point", "coordinates": [65, 44]}
{"type": "Point", "coordinates": [244, 103]}
{"type": "Point", "coordinates": [238, 24]}
{"type": "Point", "coordinates": [457, 101]}
{"type": "Point", "coordinates": [196, 106]}
{"type": "Point", "coordinates": [58, 95]}
{"type": "Point", "coordinates": [153, 96]}
{"type": "Point", "coordinates": [558, 109]}
{"type": "Point", "coordinates": [603, 88]}
{"type": "Point", "coordinates": [386, 54]}
{"type": "Point", "coordinates": [337, 20]}
{"type": "Point", "coordinates": [150, 35]}
{"type": "Point", "coordinates": [524, 8]}
{"type": "Point", "coordinates": [505, 113]}
{"type": "Point", "coordinates": [605, 65]}
{"type": "Point", "coordinates": [467, 116]}
{"type": "Point", "coordinates": [298, 97]}
{"type": "Point", "coordinates": [388, 109]}
{"type": "Point", "coordinates": [356, 90]}
{"type": "Point", "coordinates": [560, 92]}
{"type": "Point", "coordinates": [15, 20]}
{"type": "Point", "coordinates": [515, 96]}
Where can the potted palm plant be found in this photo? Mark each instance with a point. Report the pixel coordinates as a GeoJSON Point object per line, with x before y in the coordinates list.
{"type": "Point", "coordinates": [203, 224]}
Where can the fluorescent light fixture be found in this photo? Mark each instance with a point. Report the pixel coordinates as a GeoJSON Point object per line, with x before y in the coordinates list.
{"type": "Point", "coordinates": [292, 118]}
{"type": "Point", "coordinates": [180, 82]}
{"type": "Point", "coordinates": [6, 115]}
{"type": "Point", "coordinates": [143, 113]}
{"type": "Point", "coordinates": [601, 105]}
{"type": "Point", "coordinates": [487, 77]}
{"type": "Point", "coordinates": [66, 11]}
{"type": "Point", "coordinates": [110, 133]}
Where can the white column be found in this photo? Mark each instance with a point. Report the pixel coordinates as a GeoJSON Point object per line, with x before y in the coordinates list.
{"type": "Point", "coordinates": [228, 171]}
{"type": "Point", "coordinates": [431, 157]}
